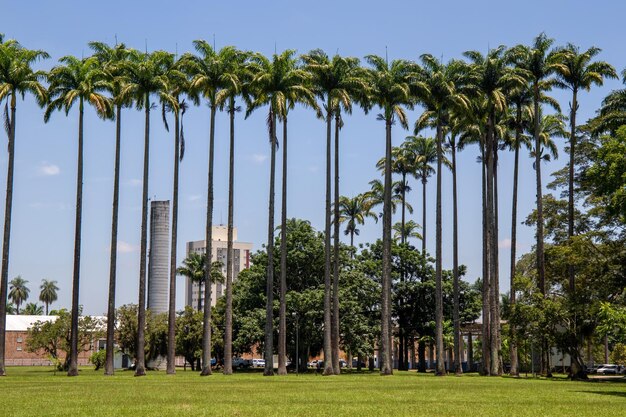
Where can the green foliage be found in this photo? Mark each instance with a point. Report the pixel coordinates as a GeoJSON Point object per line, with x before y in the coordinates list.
{"type": "Point", "coordinates": [189, 335]}
{"type": "Point", "coordinates": [618, 355]}
{"type": "Point", "coordinates": [53, 337]}
{"type": "Point", "coordinates": [98, 359]}
{"type": "Point", "coordinates": [155, 332]}
{"type": "Point", "coordinates": [33, 309]}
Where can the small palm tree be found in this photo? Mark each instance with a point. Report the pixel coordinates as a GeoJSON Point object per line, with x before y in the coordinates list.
{"type": "Point", "coordinates": [18, 292]}
{"type": "Point", "coordinates": [354, 211]}
{"type": "Point", "coordinates": [17, 77]}
{"type": "Point", "coordinates": [48, 293]}
{"type": "Point", "coordinates": [79, 81]}
{"type": "Point", "coordinates": [406, 231]}
{"type": "Point", "coordinates": [32, 309]}
{"type": "Point", "coordinates": [194, 267]}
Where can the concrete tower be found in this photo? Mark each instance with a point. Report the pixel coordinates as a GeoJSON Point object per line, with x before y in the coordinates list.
{"type": "Point", "coordinates": [158, 266]}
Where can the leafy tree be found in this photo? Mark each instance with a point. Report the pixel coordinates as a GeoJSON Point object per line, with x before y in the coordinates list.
{"type": "Point", "coordinates": [54, 337]}
{"type": "Point", "coordinates": [48, 293]}
{"type": "Point", "coordinates": [189, 335]}
{"type": "Point", "coordinates": [155, 331]}
{"type": "Point", "coordinates": [79, 81]}
{"type": "Point", "coordinates": [18, 292]}
{"type": "Point", "coordinates": [17, 77]}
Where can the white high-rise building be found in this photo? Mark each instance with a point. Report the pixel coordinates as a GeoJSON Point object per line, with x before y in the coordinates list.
{"type": "Point", "coordinates": [241, 260]}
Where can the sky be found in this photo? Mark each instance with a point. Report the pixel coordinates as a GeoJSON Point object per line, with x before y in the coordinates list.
{"type": "Point", "coordinates": [45, 171]}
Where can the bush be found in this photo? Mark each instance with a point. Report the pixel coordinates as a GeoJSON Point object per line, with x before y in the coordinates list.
{"type": "Point", "coordinates": [98, 358]}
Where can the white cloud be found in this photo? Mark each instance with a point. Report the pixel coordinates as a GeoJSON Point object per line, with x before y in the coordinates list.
{"type": "Point", "coordinates": [505, 243]}
{"type": "Point", "coordinates": [195, 197]}
{"type": "Point", "coordinates": [133, 182]}
{"type": "Point", "coordinates": [259, 158]}
{"type": "Point", "coordinates": [46, 169]}
{"type": "Point", "coordinates": [125, 247]}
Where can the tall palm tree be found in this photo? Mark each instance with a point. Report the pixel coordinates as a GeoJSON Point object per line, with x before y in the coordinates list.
{"type": "Point", "coordinates": [354, 211]}
{"type": "Point", "coordinates": [18, 292]}
{"type": "Point", "coordinates": [275, 83]}
{"type": "Point", "coordinates": [540, 63]}
{"type": "Point", "coordinates": [146, 75]}
{"type": "Point", "coordinates": [491, 78]}
{"type": "Point", "coordinates": [338, 82]}
{"type": "Point", "coordinates": [209, 80]}
{"type": "Point", "coordinates": [79, 81]}
{"type": "Point", "coordinates": [239, 76]}
{"type": "Point", "coordinates": [179, 85]}
{"type": "Point", "coordinates": [576, 71]}
{"type": "Point", "coordinates": [17, 77]}
{"type": "Point", "coordinates": [425, 151]}
{"type": "Point", "coordinates": [112, 60]}
{"type": "Point", "coordinates": [438, 89]}
{"type": "Point", "coordinates": [48, 293]}
{"type": "Point", "coordinates": [390, 85]}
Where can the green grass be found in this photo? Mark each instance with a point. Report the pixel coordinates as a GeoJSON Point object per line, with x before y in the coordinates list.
{"type": "Point", "coordinates": [41, 392]}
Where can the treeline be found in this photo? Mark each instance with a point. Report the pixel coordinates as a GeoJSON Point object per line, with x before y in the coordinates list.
{"type": "Point", "coordinates": [499, 100]}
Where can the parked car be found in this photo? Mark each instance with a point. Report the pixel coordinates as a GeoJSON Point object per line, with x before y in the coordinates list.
{"type": "Point", "coordinates": [240, 363]}
{"type": "Point", "coordinates": [609, 369]}
{"type": "Point", "coordinates": [258, 363]}
{"type": "Point", "coordinates": [342, 363]}
{"type": "Point", "coordinates": [355, 364]}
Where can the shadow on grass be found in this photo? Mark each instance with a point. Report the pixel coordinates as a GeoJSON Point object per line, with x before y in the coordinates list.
{"type": "Point", "coordinates": [621, 394]}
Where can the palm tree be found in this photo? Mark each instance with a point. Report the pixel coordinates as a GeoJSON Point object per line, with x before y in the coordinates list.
{"type": "Point", "coordinates": [338, 82]}
{"type": "Point", "coordinates": [550, 126]}
{"type": "Point", "coordinates": [209, 69]}
{"type": "Point", "coordinates": [491, 78]}
{"type": "Point", "coordinates": [303, 94]}
{"type": "Point", "coordinates": [18, 292]}
{"type": "Point", "coordinates": [48, 293]}
{"type": "Point", "coordinates": [354, 211]}
{"type": "Point", "coordinates": [391, 91]}
{"type": "Point", "coordinates": [17, 77]}
{"type": "Point", "coordinates": [276, 83]}
{"type": "Point", "coordinates": [146, 75]}
{"type": "Point", "coordinates": [32, 309]}
{"type": "Point", "coordinates": [112, 60]}
{"type": "Point", "coordinates": [438, 89]}
{"type": "Point", "coordinates": [540, 63]}
{"type": "Point", "coordinates": [376, 196]}
{"type": "Point", "coordinates": [406, 231]}
{"type": "Point", "coordinates": [425, 152]}
{"type": "Point", "coordinates": [194, 268]}
{"type": "Point", "coordinates": [238, 76]}
{"type": "Point", "coordinates": [577, 71]}
{"type": "Point", "coordinates": [78, 81]}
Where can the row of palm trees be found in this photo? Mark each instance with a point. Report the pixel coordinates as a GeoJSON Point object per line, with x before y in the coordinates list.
{"type": "Point", "coordinates": [486, 99]}
{"type": "Point", "coordinates": [19, 292]}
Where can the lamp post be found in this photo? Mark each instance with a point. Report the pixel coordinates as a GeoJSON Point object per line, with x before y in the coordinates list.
{"type": "Point", "coordinates": [295, 317]}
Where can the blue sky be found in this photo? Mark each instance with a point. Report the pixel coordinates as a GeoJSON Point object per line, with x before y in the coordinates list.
{"type": "Point", "coordinates": [43, 219]}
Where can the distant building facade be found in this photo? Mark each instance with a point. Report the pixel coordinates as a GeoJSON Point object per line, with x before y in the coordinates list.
{"type": "Point", "coordinates": [241, 261]}
{"type": "Point", "coordinates": [159, 256]}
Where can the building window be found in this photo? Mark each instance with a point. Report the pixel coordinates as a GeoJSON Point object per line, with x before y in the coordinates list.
{"type": "Point", "coordinates": [19, 340]}
{"type": "Point", "coordinates": [19, 348]}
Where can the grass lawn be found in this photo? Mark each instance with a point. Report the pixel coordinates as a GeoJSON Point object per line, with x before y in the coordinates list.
{"type": "Point", "coordinates": [39, 392]}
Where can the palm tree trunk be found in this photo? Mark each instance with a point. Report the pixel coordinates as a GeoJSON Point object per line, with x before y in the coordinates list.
{"type": "Point", "coordinates": [73, 368]}
{"type": "Point", "coordinates": [540, 255]}
{"type": "Point", "coordinates": [403, 237]}
{"type": "Point", "coordinates": [424, 215]}
{"type": "Point", "coordinates": [492, 243]}
{"type": "Point", "coordinates": [47, 304]}
{"type": "Point", "coordinates": [513, 338]}
{"type": "Point", "coordinates": [335, 316]}
{"type": "Point", "coordinates": [282, 311]}
{"type": "Point", "coordinates": [328, 364]}
{"type": "Point", "coordinates": [4, 278]}
{"type": "Point", "coordinates": [269, 289]}
{"type": "Point", "coordinates": [570, 198]}
{"type": "Point", "coordinates": [171, 316]}
{"type": "Point", "coordinates": [386, 365]}
{"type": "Point", "coordinates": [485, 337]}
{"type": "Point", "coordinates": [495, 288]}
{"type": "Point", "coordinates": [110, 348]}
{"type": "Point", "coordinates": [455, 268]}
{"type": "Point", "coordinates": [206, 322]}
{"type": "Point", "coordinates": [140, 370]}
{"type": "Point", "coordinates": [441, 370]}
{"type": "Point", "coordinates": [228, 316]}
